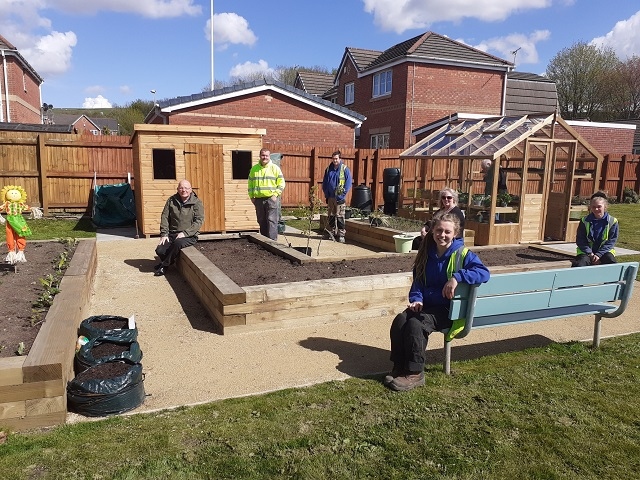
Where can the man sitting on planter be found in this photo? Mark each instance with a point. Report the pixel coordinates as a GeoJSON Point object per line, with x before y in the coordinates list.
{"type": "Point", "coordinates": [335, 185]}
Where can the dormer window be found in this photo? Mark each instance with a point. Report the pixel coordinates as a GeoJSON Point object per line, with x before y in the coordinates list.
{"type": "Point", "coordinates": [382, 84]}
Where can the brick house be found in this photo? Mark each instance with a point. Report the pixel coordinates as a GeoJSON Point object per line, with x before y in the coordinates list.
{"type": "Point", "coordinates": [288, 114]}
{"type": "Point", "coordinates": [84, 124]}
{"type": "Point", "coordinates": [20, 96]}
{"type": "Point", "coordinates": [416, 82]}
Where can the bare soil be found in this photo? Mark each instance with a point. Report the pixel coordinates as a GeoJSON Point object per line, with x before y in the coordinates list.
{"type": "Point", "coordinates": [19, 321]}
{"type": "Point", "coordinates": [247, 263]}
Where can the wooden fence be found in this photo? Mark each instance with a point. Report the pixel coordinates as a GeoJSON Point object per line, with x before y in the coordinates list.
{"type": "Point", "coordinates": [57, 170]}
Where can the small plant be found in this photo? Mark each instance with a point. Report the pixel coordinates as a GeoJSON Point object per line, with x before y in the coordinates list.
{"type": "Point", "coordinates": [630, 196]}
{"type": "Point", "coordinates": [308, 213]}
{"type": "Point", "coordinates": [377, 218]}
{"type": "Point", "coordinates": [503, 199]}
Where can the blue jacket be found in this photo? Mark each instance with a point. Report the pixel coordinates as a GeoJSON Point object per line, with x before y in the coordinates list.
{"type": "Point", "coordinates": [473, 272]}
{"type": "Point", "coordinates": [330, 182]}
{"type": "Point", "coordinates": [594, 240]}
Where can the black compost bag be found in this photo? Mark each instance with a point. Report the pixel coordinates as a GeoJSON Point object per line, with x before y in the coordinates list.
{"type": "Point", "coordinates": [110, 327]}
{"type": "Point", "coordinates": [107, 388]}
{"type": "Point", "coordinates": [90, 353]}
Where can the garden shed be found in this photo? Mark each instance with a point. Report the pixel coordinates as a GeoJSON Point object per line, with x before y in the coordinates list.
{"type": "Point", "coordinates": [543, 158]}
{"type": "Point", "coordinates": [216, 160]}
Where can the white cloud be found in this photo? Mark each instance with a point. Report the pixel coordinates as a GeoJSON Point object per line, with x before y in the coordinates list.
{"type": "Point", "coordinates": [51, 54]}
{"type": "Point", "coordinates": [624, 38]}
{"type": "Point", "coordinates": [401, 15]}
{"type": "Point", "coordinates": [97, 102]}
{"type": "Point", "coordinates": [525, 46]}
{"type": "Point", "coordinates": [146, 8]}
{"type": "Point", "coordinates": [248, 69]}
{"type": "Point", "coordinates": [125, 89]}
{"type": "Point", "coordinates": [229, 28]}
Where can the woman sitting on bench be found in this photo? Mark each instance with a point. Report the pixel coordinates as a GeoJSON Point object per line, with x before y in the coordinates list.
{"type": "Point", "coordinates": [441, 263]}
{"type": "Point", "coordinates": [597, 234]}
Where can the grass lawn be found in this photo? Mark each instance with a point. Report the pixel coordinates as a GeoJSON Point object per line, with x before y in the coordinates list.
{"type": "Point", "coordinates": [564, 411]}
{"type": "Point", "coordinates": [53, 228]}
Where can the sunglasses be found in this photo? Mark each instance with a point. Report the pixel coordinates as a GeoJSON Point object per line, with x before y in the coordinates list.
{"type": "Point", "coordinates": [447, 197]}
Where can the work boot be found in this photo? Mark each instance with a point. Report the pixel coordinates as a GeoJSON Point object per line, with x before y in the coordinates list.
{"type": "Point", "coordinates": [396, 371]}
{"type": "Point", "coordinates": [340, 239]}
{"type": "Point", "coordinates": [408, 381]}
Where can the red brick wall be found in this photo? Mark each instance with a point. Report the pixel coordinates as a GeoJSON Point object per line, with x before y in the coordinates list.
{"type": "Point", "coordinates": [285, 119]}
{"type": "Point", "coordinates": [421, 95]}
{"type": "Point", "coordinates": [24, 103]}
{"type": "Point", "coordinates": [606, 137]}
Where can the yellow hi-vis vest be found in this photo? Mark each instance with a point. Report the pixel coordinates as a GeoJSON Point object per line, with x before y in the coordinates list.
{"type": "Point", "coordinates": [605, 235]}
{"type": "Point", "coordinates": [265, 181]}
{"type": "Point", "coordinates": [341, 178]}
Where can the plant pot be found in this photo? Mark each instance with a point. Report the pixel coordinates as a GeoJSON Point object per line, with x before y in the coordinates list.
{"type": "Point", "coordinates": [403, 242]}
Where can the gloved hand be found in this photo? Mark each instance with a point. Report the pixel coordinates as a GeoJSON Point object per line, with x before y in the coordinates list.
{"type": "Point", "coordinates": [456, 327]}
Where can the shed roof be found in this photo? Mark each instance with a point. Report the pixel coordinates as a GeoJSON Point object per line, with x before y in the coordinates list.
{"type": "Point", "coordinates": [35, 127]}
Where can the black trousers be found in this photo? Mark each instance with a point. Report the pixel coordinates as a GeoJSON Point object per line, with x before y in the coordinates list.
{"type": "Point", "coordinates": [410, 333]}
{"type": "Point", "coordinates": [583, 260]}
{"type": "Point", "coordinates": [169, 251]}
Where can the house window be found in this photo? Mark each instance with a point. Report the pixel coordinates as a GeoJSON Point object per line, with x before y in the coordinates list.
{"type": "Point", "coordinates": [164, 164]}
{"type": "Point", "coordinates": [380, 140]}
{"type": "Point", "coordinates": [349, 90]}
{"type": "Point", "coordinates": [382, 84]}
{"type": "Point", "coordinates": [240, 164]}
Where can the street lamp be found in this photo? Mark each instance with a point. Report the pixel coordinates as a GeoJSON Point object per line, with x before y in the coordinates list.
{"type": "Point", "coordinates": [154, 98]}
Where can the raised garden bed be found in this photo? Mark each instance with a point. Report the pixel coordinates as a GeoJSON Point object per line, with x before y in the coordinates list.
{"type": "Point", "coordinates": [257, 307]}
{"type": "Point", "coordinates": [33, 388]}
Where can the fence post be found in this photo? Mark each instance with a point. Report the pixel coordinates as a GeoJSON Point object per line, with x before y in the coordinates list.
{"type": "Point", "coordinates": [376, 178]}
{"type": "Point", "coordinates": [604, 173]}
{"type": "Point", "coordinates": [41, 159]}
{"type": "Point", "coordinates": [357, 167]}
{"type": "Point", "coordinates": [623, 176]}
{"type": "Point", "coordinates": [313, 167]}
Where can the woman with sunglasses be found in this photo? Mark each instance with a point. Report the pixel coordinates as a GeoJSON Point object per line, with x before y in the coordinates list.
{"type": "Point", "coordinates": [448, 204]}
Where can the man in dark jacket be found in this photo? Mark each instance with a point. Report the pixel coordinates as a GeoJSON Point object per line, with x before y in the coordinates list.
{"type": "Point", "coordinates": [335, 186]}
{"type": "Point", "coordinates": [180, 223]}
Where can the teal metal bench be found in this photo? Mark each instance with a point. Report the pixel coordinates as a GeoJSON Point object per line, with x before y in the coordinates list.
{"type": "Point", "coordinates": [511, 298]}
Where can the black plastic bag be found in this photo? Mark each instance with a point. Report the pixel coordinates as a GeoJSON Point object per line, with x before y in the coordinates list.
{"type": "Point", "coordinates": [96, 393]}
{"type": "Point", "coordinates": [111, 327]}
{"type": "Point", "coordinates": [89, 353]}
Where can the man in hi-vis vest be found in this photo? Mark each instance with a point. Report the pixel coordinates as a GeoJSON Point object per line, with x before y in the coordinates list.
{"type": "Point", "coordinates": [266, 184]}
{"type": "Point", "coordinates": [335, 185]}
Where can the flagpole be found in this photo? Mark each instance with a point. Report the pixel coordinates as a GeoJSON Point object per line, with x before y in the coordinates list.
{"type": "Point", "coordinates": [212, 79]}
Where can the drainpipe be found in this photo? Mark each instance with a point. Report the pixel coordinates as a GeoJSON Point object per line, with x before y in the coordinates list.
{"type": "Point", "coordinates": [6, 86]}
{"type": "Point", "coordinates": [4, 69]}
{"type": "Point", "coordinates": [413, 91]}
{"type": "Point", "coordinates": [504, 95]}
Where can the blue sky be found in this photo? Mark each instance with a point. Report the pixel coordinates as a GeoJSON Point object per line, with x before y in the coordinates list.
{"type": "Point", "coordinates": [100, 53]}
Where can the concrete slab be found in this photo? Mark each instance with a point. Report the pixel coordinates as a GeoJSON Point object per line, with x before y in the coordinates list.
{"type": "Point", "coordinates": [571, 248]}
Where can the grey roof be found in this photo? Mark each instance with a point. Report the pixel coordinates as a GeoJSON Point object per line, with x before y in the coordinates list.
{"type": "Point", "coordinates": [363, 58]}
{"type": "Point", "coordinates": [9, 49]}
{"type": "Point", "coordinates": [315, 83]}
{"type": "Point", "coordinates": [433, 47]}
{"type": "Point", "coordinates": [234, 90]}
{"type": "Point", "coordinates": [529, 93]}
{"type": "Point", "coordinates": [98, 122]}
{"type": "Point", "coordinates": [35, 127]}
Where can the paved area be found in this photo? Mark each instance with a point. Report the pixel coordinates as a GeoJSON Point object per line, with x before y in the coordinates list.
{"type": "Point", "coordinates": [186, 362]}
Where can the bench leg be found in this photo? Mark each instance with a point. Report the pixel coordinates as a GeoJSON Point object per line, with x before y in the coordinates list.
{"type": "Point", "coordinates": [447, 358]}
{"type": "Point", "coordinates": [596, 332]}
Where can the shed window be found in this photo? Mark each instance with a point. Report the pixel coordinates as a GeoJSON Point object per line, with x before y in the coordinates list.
{"type": "Point", "coordinates": [240, 164]}
{"type": "Point", "coordinates": [164, 164]}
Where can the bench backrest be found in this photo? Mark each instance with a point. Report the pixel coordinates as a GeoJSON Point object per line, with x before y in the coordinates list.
{"type": "Point", "coordinates": [526, 296]}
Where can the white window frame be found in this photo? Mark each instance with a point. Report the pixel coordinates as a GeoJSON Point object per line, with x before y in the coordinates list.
{"type": "Point", "coordinates": [379, 140]}
{"type": "Point", "coordinates": [349, 93]}
{"type": "Point", "coordinates": [382, 83]}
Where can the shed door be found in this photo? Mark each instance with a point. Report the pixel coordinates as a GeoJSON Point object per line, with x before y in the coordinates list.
{"type": "Point", "coordinates": [204, 165]}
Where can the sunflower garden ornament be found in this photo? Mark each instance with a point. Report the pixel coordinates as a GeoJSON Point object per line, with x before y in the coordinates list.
{"type": "Point", "coordinates": [14, 198]}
